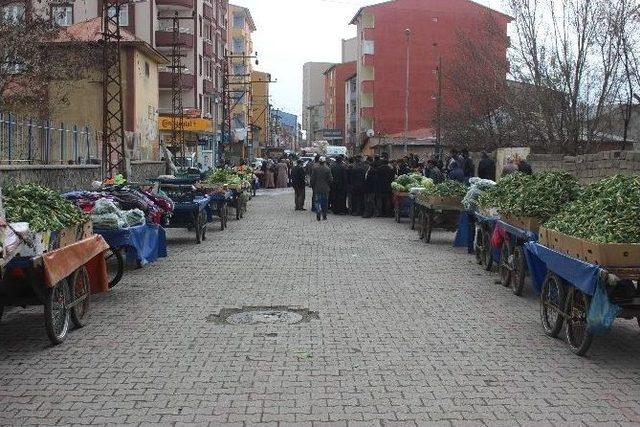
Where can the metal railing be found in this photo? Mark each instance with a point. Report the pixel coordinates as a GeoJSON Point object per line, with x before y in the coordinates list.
{"type": "Point", "coordinates": [25, 141]}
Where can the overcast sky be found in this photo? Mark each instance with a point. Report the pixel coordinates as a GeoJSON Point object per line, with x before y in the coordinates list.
{"type": "Point", "coordinates": [292, 32]}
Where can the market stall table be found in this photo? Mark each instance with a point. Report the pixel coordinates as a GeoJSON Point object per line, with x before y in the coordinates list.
{"type": "Point", "coordinates": [585, 296]}
{"type": "Point", "coordinates": [142, 244]}
{"type": "Point", "coordinates": [193, 214]}
{"type": "Point", "coordinates": [432, 217]}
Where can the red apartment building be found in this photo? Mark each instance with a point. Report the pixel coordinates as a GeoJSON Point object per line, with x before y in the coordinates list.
{"type": "Point", "coordinates": [335, 79]}
{"type": "Point", "coordinates": [434, 28]}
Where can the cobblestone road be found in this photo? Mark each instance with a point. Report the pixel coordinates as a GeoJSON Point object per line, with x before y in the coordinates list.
{"type": "Point", "coordinates": [407, 334]}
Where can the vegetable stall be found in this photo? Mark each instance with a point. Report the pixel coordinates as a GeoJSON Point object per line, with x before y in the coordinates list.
{"type": "Point", "coordinates": [49, 256]}
{"type": "Point", "coordinates": [404, 188]}
{"type": "Point", "coordinates": [439, 207]}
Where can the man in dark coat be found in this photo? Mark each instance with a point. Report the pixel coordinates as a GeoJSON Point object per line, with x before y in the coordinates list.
{"type": "Point", "coordinates": [386, 175]}
{"type": "Point", "coordinates": [369, 188]}
{"type": "Point", "coordinates": [298, 182]}
{"type": "Point", "coordinates": [468, 167]}
{"type": "Point", "coordinates": [321, 179]}
{"type": "Point", "coordinates": [487, 167]}
{"type": "Point", "coordinates": [355, 178]}
{"type": "Point", "coordinates": [339, 187]}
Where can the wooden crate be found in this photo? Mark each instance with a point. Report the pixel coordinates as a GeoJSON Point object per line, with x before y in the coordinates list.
{"type": "Point", "coordinates": [445, 202]}
{"type": "Point", "coordinates": [560, 242]}
{"type": "Point", "coordinates": [611, 254]}
{"type": "Point", "coordinates": [524, 222]}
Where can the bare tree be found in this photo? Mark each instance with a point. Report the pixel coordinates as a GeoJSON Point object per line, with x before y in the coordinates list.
{"type": "Point", "coordinates": [29, 62]}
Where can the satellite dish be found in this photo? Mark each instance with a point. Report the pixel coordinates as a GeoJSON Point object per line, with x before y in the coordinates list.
{"type": "Point", "coordinates": [370, 133]}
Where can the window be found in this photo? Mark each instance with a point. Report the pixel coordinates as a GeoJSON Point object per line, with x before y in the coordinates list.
{"type": "Point", "coordinates": [207, 68]}
{"type": "Point", "coordinates": [238, 45]}
{"type": "Point", "coordinates": [124, 14]}
{"type": "Point", "coordinates": [13, 12]}
{"type": "Point", "coordinates": [434, 19]}
{"type": "Point", "coordinates": [200, 19]}
{"type": "Point", "coordinates": [62, 15]}
{"type": "Point", "coordinates": [368, 47]}
{"type": "Point", "coordinates": [207, 30]}
{"type": "Point", "coordinates": [200, 102]}
{"type": "Point", "coordinates": [239, 69]}
{"type": "Point", "coordinates": [200, 63]}
{"type": "Point", "coordinates": [238, 20]}
{"type": "Point", "coordinates": [146, 69]}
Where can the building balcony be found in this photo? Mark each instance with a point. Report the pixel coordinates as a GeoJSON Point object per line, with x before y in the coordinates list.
{"type": "Point", "coordinates": [207, 12]}
{"type": "Point", "coordinates": [367, 60]}
{"type": "Point", "coordinates": [165, 80]}
{"type": "Point", "coordinates": [367, 86]}
{"type": "Point", "coordinates": [165, 39]}
{"type": "Point", "coordinates": [208, 49]}
{"type": "Point", "coordinates": [366, 112]}
{"type": "Point", "coordinates": [175, 4]}
{"type": "Point", "coordinates": [208, 86]}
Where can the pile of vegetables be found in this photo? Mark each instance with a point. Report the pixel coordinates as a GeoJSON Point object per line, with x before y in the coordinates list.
{"type": "Point", "coordinates": [477, 186]}
{"type": "Point", "coordinates": [223, 176]}
{"type": "Point", "coordinates": [43, 208]}
{"type": "Point", "coordinates": [606, 212]}
{"type": "Point", "coordinates": [404, 183]}
{"type": "Point", "coordinates": [448, 188]}
{"type": "Point", "coordinates": [540, 196]}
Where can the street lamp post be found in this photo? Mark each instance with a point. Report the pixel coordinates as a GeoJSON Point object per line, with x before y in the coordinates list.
{"type": "Point", "coordinates": [407, 34]}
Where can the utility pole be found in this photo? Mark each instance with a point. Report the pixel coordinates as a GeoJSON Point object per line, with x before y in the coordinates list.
{"type": "Point", "coordinates": [439, 118]}
{"type": "Point", "coordinates": [113, 144]}
{"type": "Point", "coordinates": [407, 33]}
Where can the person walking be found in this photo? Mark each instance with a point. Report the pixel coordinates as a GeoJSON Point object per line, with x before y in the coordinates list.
{"type": "Point", "coordinates": [355, 178]}
{"type": "Point", "coordinates": [298, 175]}
{"type": "Point", "coordinates": [268, 176]}
{"type": "Point", "coordinates": [486, 167]}
{"type": "Point", "coordinates": [321, 180]}
{"type": "Point", "coordinates": [283, 174]}
{"type": "Point", "coordinates": [339, 187]}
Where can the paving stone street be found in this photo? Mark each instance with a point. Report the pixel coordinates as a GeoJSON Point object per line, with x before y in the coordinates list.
{"type": "Point", "coordinates": [406, 334]}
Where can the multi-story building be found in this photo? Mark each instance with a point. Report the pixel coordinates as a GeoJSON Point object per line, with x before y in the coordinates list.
{"type": "Point", "coordinates": [426, 32]}
{"type": "Point", "coordinates": [202, 40]}
{"type": "Point", "coordinates": [285, 130]}
{"type": "Point", "coordinates": [334, 100]}
{"type": "Point", "coordinates": [313, 97]}
{"type": "Point", "coordinates": [260, 113]}
{"type": "Point", "coordinates": [349, 50]}
{"type": "Point", "coordinates": [351, 113]}
{"type": "Point", "coordinates": [240, 55]}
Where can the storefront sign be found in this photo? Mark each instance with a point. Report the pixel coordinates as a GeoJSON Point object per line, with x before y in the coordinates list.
{"type": "Point", "coordinates": [190, 125]}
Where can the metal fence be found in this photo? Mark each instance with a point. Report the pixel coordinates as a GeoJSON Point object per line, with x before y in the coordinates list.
{"type": "Point", "coordinates": [27, 141]}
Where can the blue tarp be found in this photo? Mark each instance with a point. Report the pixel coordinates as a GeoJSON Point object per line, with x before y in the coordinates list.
{"type": "Point", "coordinates": [520, 233]}
{"type": "Point", "coordinates": [144, 243]}
{"type": "Point", "coordinates": [466, 231]}
{"type": "Point", "coordinates": [541, 259]}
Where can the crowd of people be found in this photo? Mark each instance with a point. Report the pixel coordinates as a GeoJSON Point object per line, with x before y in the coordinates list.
{"type": "Point", "coordinates": [362, 186]}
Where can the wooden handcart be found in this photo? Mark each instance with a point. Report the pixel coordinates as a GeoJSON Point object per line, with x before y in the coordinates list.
{"type": "Point", "coordinates": [513, 266]}
{"type": "Point", "coordinates": [569, 286]}
{"type": "Point", "coordinates": [484, 226]}
{"type": "Point", "coordinates": [402, 205]}
{"type": "Point", "coordinates": [431, 216]}
{"type": "Point", "coordinates": [58, 280]}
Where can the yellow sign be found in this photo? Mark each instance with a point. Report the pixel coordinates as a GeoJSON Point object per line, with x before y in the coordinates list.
{"type": "Point", "coordinates": [190, 125]}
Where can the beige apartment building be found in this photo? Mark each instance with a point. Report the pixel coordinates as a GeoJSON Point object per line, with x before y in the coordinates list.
{"type": "Point", "coordinates": [313, 111]}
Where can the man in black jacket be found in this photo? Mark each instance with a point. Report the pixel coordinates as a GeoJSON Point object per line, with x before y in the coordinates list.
{"type": "Point", "coordinates": [386, 174]}
{"type": "Point", "coordinates": [355, 176]}
{"type": "Point", "coordinates": [369, 188]}
{"type": "Point", "coordinates": [487, 167]}
{"type": "Point", "coordinates": [339, 187]}
{"type": "Point", "coordinates": [299, 185]}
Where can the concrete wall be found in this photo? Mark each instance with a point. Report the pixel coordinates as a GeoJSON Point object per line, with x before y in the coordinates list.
{"type": "Point", "coordinates": [59, 178]}
{"type": "Point", "coordinates": [72, 177]}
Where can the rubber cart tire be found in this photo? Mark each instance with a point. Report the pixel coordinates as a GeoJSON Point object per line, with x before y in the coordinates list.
{"type": "Point", "coordinates": [576, 332]}
{"type": "Point", "coordinates": [505, 267]}
{"type": "Point", "coordinates": [56, 315]}
{"type": "Point", "coordinates": [396, 213]}
{"type": "Point", "coordinates": [115, 265]}
{"type": "Point", "coordinates": [552, 302]}
{"type": "Point", "coordinates": [478, 249]}
{"type": "Point", "coordinates": [428, 227]}
{"type": "Point", "coordinates": [519, 272]}
{"type": "Point", "coordinates": [79, 287]}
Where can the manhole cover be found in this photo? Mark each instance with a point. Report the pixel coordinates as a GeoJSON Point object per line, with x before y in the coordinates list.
{"type": "Point", "coordinates": [264, 316]}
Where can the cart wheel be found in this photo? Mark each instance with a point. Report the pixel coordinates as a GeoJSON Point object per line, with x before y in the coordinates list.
{"type": "Point", "coordinates": [519, 271]}
{"type": "Point", "coordinates": [478, 247]}
{"type": "Point", "coordinates": [576, 332]}
{"type": "Point", "coordinates": [422, 221]}
{"type": "Point", "coordinates": [413, 217]}
{"type": "Point", "coordinates": [198, 228]}
{"type": "Point", "coordinates": [428, 227]}
{"type": "Point", "coordinates": [487, 251]}
{"type": "Point", "coordinates": [505, 266]}
{"type": "Point", "coordinates": [222, 224]}
{"type": "Point", "coordinates": [56, 315]}
{"type": "Point", "coordinates": [115, 265]}
{"type": "Point", "coordinates": [552, 297]}
{"type": "Point", "coordinates": [204, 229]}
{"type": "Point", "coordinates": [79, 288]}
